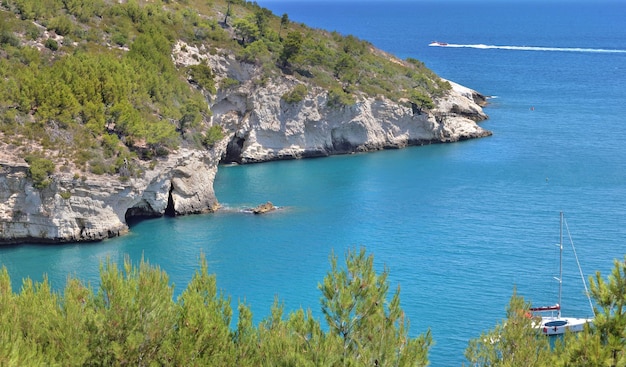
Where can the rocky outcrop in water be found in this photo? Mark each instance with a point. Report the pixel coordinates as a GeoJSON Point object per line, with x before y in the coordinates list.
{"type": "Point", "coordinates": [263, 208]}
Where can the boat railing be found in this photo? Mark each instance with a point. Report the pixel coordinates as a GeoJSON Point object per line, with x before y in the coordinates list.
{"type": "Point", "coordinates": [545, 309]}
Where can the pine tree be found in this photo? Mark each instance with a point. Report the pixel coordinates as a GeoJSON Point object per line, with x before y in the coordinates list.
{"type": "Point", "coordinates": [512, 343]}
{"type": "Point", "coordinates": [603, 344]}
{"type": "Point", "coordinates": [372, 328]}
{"type": "Point", "coordinates": [203, 327]}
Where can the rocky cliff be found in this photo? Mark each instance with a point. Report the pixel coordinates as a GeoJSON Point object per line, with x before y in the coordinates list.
{"type": "Point", "coordinates": [264, 127]}
{"type": "Point", "coordinates": [92, 207]}
{"type": "Point", "coordinates": [260, 126]}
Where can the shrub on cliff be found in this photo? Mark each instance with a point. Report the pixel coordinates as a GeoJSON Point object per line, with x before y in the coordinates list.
{"type": "Point", "coordinates": [61, 25]}
{"type": "Point", "coordinates": [7, 37]}
{"type": "Point", "coordinates": [51, 44]}
{"type": "Point", "coordinates": [202, 75]}
{"type": "Point", "coordinates": [338, 98]}
{"type": "Point", "coordinates": [40, 170]}
{"type": "Point", "coordinates": [213, 135]}
{"type": "Point", "coordinates": [292, 46]}
{"type": "Point", "coordinates": [421, 100]}
{"type": "Point", "coordinates": [295, 95]}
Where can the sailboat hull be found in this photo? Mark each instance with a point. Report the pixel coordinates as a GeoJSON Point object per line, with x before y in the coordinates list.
{"type": "Point", "coordinates": [560, 325]}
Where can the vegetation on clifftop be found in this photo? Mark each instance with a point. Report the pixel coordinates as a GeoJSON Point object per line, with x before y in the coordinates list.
{"type": "Point", "coordinates": [92, 83]}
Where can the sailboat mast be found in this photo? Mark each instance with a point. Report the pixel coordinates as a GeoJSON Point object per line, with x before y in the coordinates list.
{"type": "Point", "coordinates": [560, 261]}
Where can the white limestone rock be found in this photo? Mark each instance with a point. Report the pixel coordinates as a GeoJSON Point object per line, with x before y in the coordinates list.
{"type": "Point", "coordinates": [264, 127]}
{"type": "Point", "coordinates": [97, 207]}
{"type": "Point", "coordinates": [267, 128]}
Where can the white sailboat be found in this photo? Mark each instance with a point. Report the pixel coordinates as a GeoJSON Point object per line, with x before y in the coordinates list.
{"type": "Point", "coordinates": [552, 322]}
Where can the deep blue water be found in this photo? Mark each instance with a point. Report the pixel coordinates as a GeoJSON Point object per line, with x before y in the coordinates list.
{"type": "Point", "coordinates": [458, 225]}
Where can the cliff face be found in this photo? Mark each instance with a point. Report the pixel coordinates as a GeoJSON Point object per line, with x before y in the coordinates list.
{"type": "Point", "coordinates": [264, 127]}
{"type": "Point", "coordinates": [272, 129]}
{"type": "Point", "coordinates": [259, 126]}
{"type": "Point", "coordinates": [98, 207]}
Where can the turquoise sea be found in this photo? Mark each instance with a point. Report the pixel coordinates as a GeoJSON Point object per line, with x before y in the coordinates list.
{"type": "Point", "coordinates": [459, 226]}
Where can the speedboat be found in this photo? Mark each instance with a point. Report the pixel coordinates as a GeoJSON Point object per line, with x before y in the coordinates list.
{"type": "Point", "coordinates": [437, 43]}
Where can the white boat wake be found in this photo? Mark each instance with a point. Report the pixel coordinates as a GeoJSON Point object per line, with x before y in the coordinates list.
{"type": "Point", "coordinates": [527, 48]}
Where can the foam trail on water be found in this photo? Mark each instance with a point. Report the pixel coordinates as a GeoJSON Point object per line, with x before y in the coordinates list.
{"type": "Point", "coordinates": [528, 48]}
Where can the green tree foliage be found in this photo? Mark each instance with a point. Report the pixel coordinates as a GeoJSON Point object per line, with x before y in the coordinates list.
{"type": "Point", "coordinates": [84, 10]}
{"type": "Point", "coordinates": [295, 95]}
{"type": "Point", "coordinates": [246, 29]}
{"type": "Point", "coordinates": [516, 343]}
{"type": "Point", "coordinates": [40, 170]}
{"type": "Point", "coordinates": [51, 44]}
{"type": "Point", "coordinates": [291, 48]}
{"type": "Point", "coordinates": [138, 95]}
{"type": "Point", "coordinates": [100, 90]}
{"type": "Point", "coordinates": [229, 83]}
{"type": "Point", "coordinates": [135, 316]}
{"type": "Point", "coordinates": [337, 98]}
{"type": "Point", "coordinates": [132, 319]}
{"type": "Point", "coordinates": [284, 22]}
{"type": "Point", "coordinates": [7, 35]}
{"type": "Point", "coordinates": [345, 68]}
{"type": "Point", "coordinates": [262, 19]}
{"type": "Point", "coordinates": [602, 344]}
{"type": "Point", "coordinates": [36, 10]}
{"type": "Point", "coordinates": [62, 25]}
{"type": "Point", "coordinates": [421, 100]}
{"type": "Point", "coordinates": [210, 30]}
{"type": "Point", "coordinates": [256, 52]}
{"type": "Point", "coordinates": [202, 75]}
{"type": "Point", "coordinates": [213, 135]}
{"type": "Point", "coordinates": [192, 115]}
{"type": "Point", "coordinates": [512, 343]}
{"type": "Point", "coordinates": [371, 328]}
{"type": "Point", "coordinates": [204, 337]}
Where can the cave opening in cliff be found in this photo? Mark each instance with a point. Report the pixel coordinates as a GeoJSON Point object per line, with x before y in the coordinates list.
{"type": "Point", "coordinates": [233, 151]}
{"type": "Point", "coordinates": [169, 209]}
{"type": "Point", "coordinates": [140, 211]}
